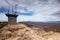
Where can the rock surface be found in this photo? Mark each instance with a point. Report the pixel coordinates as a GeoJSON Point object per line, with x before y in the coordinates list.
{"type": "Point", "coordinates": [22, 32]}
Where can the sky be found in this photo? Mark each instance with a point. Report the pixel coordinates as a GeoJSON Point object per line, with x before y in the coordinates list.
{"type": "Point", "coordinates": [31, 10]}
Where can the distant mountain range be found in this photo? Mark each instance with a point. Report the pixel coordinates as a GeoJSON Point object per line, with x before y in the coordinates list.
{"type": "Point", "coordinates": [47, 26]}
{"type": "Point", "coordinates": [50, 24]}
{"type": "Point", "coordinates": [37, 22]}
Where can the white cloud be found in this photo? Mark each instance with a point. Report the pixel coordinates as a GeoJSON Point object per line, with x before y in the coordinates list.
{"type": "Point", "coordinates": [42, 9]}
{"type": "Point", "coordinates": [3, 3]}
{"type": "Point", "coordinates": [3, 17]}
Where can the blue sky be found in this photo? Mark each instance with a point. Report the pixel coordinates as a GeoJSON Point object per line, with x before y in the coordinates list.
{"type": "Point", "coordinates": [31, 10]}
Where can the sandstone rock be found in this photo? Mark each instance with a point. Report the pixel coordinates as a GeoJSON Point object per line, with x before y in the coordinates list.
{"type": "Point", "coordinates": [22, 32]}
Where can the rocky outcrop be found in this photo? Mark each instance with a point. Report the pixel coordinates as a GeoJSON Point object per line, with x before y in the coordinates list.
{"type": "Point", "coordinates": [22, 32]}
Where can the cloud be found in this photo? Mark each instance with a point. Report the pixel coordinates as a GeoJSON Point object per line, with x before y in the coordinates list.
{"type": "Point", "coordinates": [40, 10]}
{"type": "Point", "coordinates": [20, 9]}
{"type": "Point", "coordinates": [58, 1]}
{"type": "Point", "coordinates": [3, 3]}
{"type": "Point", "coordinates": [3, 17]}
{"type": "Point", "coordinates": [57, 13]}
